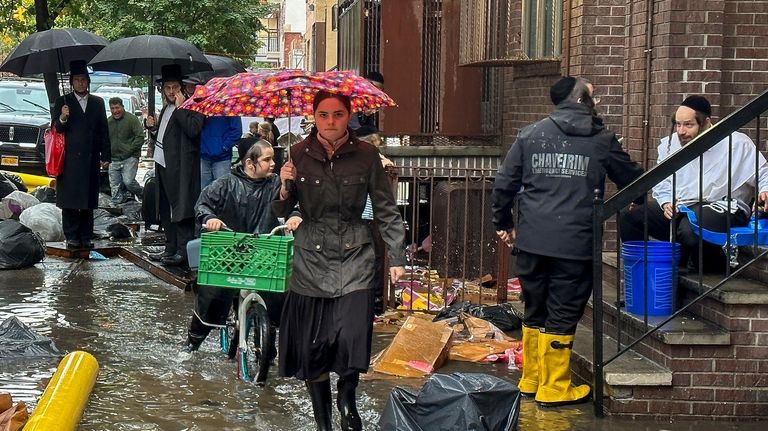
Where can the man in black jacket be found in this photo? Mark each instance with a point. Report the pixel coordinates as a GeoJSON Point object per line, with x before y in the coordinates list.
{"type": "Point", "coordinates": [82, 119]}
{"type": "Point", "coordinates": [553, 168]}
{"type": "Point", "coordinates": [177, 165]}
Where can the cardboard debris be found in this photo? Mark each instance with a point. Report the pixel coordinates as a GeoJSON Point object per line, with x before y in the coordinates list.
{"type": "Point", "coordinates": [419, 348]}
{"type": "Point", "coordinates": [479, 351]}
{"type": "Point", "coordinates": [12, 418]}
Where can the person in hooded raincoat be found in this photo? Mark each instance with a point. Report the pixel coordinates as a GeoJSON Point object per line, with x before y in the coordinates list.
{"type": "Point", "coordinates": [241, 201]}
{"type": "Point", "coordinates": [553, 168]}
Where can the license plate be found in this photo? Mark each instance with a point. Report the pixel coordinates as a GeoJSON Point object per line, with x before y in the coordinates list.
{"type": "Point", "coordinates": [9, 161]}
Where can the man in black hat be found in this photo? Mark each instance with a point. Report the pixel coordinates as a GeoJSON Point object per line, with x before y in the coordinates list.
{"type": "Point", "coordinates": [83, 120]}
{"type": "Point", "coordinates": [692, 117]}
{"type": "Point", "coordinates": [177, 166]}
{"type": "Point", "coordinates": [553, 169]}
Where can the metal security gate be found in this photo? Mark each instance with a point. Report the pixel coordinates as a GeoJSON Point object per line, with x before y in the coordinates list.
{"type": "Point", "coordinates": [430, 72]}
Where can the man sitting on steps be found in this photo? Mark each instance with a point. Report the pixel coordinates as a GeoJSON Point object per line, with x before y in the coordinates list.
{"type": "Point", "coordinates": [692, 118]}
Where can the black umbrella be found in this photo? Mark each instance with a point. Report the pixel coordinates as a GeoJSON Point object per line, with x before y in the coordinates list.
{"type": "Point", "coordinates": [51, 51]}
{"type": "Point", "coordinates": [222, 66]}
{"type": "Point", "coordinates": [147, 54]}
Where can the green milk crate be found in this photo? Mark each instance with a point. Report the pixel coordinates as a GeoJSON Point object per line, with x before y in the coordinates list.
{"type": "Point", "coordinates": [245, 261]}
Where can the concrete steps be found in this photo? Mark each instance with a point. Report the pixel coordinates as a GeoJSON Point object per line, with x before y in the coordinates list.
{"type": "Point", "coordinates": [630, 369]}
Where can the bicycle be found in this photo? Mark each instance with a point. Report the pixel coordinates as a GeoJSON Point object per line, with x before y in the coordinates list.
{"type": "Point", "coordinates": [249, 340]}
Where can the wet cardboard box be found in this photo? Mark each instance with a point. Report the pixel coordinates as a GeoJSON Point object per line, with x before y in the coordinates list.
{"type": "Point", "coordinates": [418, 349]}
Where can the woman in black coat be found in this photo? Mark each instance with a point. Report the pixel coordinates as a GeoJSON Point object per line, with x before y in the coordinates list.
{"type": "Point", "coordinates": [327, 320]}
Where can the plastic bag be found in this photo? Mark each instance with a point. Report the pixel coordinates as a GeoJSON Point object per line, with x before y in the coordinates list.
{"type": "Point", "coordinates": [15, 203]}
{"type": "Point", "coordinates": [500, 315]}
{"type": "Point", "coordinates": [45, 220]}
{"type": "Point", "coordinates": [19, 341]}
{"type": "Point", "coordinates": [454, 401]}
{"type": "Point", "coordinates": [19, 246]}
{"type": "Point", "coordinates": [54, 151]}
{"type": "Point", "coordinates": [45, 194]}
{"type": "Point", "coordinates": [6, 186]}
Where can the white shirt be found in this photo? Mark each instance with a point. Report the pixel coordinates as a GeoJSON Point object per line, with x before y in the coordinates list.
{"type": "Point", "coordinates": [82, 100]}
{"type": "Point", "coordinates": [715, 175]}
{"type": "Point", "coordinates": [159, 156]}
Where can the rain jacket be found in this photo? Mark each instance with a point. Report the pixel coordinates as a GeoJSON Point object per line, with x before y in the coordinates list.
{"type": "Point", "coordinates": [559, 162]}
{"type": "Point", "coordinates": [241, 202]}
{"type": "Point", "coordinates": [333, 249]}
{"type": "Point", "coordinates": [218, 137]}
{"type": "Point", "coordinates": [87, 144]}
{"type": "Point", "coordinates": [126, 136]}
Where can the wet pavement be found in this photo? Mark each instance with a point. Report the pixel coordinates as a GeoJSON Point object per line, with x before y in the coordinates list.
{"type": "Point", "coordinates": [134, 324]}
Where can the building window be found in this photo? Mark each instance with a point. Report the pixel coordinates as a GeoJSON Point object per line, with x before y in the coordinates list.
{"type": "Point", "coordinates": [334, 17]}
{"type": "Point", "coordinates": [542, 28]}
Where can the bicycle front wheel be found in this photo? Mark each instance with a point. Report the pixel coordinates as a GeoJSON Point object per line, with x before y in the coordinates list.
{"type": "Point", "coordinates": [255, 356]}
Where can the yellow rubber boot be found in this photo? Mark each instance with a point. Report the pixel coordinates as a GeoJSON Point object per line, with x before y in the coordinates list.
{"type": "Point", "coordinates": [529, 381]}
{"type": "Point", "coordinates": [555, 388]}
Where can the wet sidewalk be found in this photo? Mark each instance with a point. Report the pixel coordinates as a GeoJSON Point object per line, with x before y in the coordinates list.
{"type": "Point", "coordinates": [135, 325]}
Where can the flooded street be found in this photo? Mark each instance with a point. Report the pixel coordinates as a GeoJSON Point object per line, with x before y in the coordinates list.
{"type": "Point", "coordinates": [134, 324]}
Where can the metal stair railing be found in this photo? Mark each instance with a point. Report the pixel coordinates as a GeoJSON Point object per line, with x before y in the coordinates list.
{"type": "Point", "coordinates": [605, 209]}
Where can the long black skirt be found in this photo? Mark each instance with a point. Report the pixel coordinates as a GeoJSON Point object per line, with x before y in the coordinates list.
{"type": "Point", "coordinates": [320, 335]}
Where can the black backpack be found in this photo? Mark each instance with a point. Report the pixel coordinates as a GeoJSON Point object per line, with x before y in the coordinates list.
{"type": "Point", "coordinates": [149, 204]}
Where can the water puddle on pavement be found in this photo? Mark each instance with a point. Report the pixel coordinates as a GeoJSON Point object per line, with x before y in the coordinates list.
{"type": "Point", "coordinates": [134, 324]}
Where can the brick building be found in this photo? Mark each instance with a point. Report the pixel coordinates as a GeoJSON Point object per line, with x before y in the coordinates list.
{"type": "Point", "coordinates": [468, 74]}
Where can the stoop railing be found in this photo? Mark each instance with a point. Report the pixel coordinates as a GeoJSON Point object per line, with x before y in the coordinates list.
{"type": "Point", "coordinates": [605, 209]}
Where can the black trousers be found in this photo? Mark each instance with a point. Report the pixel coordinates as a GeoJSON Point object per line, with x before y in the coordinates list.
{"type": "Point", "coordinates": [177, 234]}
{"type": "Point", "coordinates": [712, 218]}
{"type": "Point", "coordinates": [555, 291]}
{"type": "Point", "coordinates": [77, 224]}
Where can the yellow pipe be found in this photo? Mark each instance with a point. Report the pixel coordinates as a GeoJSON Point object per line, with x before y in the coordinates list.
{"type": "Point", "coordinates": [34, 181]}
{"type": "Point", "coordinates": [64, 400]}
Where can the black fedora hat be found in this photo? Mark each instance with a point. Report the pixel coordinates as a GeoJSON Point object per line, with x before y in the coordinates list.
{"type": "Point", "coordinates": [171, 72]}
{"type": "Point", "coordinates": [78, 67]}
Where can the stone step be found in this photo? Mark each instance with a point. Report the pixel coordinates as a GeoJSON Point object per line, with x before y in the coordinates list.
{"type": "Point", "coordinates": [739, 290]}
{"type": "Point", "coordinates": [629, 369]}
{"type": "Point", "coordinates": [686, 329]}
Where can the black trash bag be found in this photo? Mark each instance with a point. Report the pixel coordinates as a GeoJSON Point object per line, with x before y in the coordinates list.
{"type": "Point", "coordinates": [19, 341]}
{"type": "Point", "coordinates": [458, 401]}
{"type": "Point", "coordinates": [6, 186]}
{"type": "Point", "coordinates": [501, 315]}
{"type": "Point", "coordinates": [118, 231]}
{"type": "Point", "coordinates": [45, 194]}
{"type": "Point", "coordinates": [16, 180]}
{"type": "Point", "coordinates": [19, 246]}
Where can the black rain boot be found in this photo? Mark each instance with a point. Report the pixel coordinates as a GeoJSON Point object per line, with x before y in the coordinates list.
{"type": "Point", "coordinates": [196, 333]}
{"type": "Point", "coordinates": [347, 404]}
{"type": "Point", "coordinates": [320, 394]}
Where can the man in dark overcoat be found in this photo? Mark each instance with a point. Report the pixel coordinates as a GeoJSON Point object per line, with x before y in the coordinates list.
{"type": "Point", "coordinates": [177, 167]}
{"type": "Point", "coordinates": [83, 120]}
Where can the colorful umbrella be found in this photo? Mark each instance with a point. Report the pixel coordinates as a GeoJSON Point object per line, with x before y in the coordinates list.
{"type": "Point", "coordinates": [282, 93]}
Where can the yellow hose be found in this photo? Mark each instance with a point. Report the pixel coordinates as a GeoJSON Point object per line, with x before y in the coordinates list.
{"type": "Point", "coordinates": [34, 181]}
{"type": "Point", "coordinates": [64, 400]}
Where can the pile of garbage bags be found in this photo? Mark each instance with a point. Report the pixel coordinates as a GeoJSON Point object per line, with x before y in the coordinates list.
{"type": "Point", "coordinates": [20, 247]}
{"type": "Point", "coordinates": [460, 401]}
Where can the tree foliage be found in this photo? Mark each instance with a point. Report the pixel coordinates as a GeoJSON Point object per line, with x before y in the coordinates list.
{"type": "Point", "coordinates": [218, 26]}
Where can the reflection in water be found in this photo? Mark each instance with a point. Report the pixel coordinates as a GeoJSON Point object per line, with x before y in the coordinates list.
{"type": "Point", "coordinates": [135, 324]}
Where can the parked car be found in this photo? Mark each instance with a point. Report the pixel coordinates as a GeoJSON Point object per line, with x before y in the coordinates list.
{"type": "Point", "coordinates": [130, 102]}
{"type": "Point", "coordinates": [133, 91]}
{"type": "Point", "coordinates": [24, 117]}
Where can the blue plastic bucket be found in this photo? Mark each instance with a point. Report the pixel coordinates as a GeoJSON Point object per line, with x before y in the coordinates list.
{"type": "Point", "coordinates": [659, 273]}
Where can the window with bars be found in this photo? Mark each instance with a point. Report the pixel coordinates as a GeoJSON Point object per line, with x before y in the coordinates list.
{"type": "Point", "coordinates": [542, 28]}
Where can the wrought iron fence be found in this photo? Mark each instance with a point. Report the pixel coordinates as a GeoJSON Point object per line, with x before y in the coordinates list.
{"type": "Point", "coordinates": [451, 245]}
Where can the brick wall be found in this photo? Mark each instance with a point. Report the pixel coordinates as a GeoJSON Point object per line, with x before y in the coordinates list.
{"type": "Point", "coordinates": [526, 96]}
